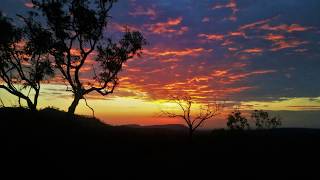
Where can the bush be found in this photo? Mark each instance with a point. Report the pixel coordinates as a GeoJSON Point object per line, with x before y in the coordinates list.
{"type": "Point", "coordinates": [237, 122]}
{"type": "Point", "coordinates": [263, 121]}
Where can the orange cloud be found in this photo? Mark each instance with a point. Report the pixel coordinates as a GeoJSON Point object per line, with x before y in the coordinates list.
{"type": "Point", "coordinates": [226, 76]}
{"type": "Point", "coordinates": [285, 27]}
{"type": "Point", "coordinates": [212, 36]}
{"type": "Point", "coordinates": [263, 25]}
{"type": "Point", "coordinates": [132, 69]}
{"type": "Point", "coordinates": [170, 60]}
{"type": "Point", "coordinates": [254, 24]}
{"type": "Point", "coordinates": [219, 73]}
{"type": "Point", "coordinates": [168, 27]}
{"type": "Point", "coordinates": [274, 37]}
{"type": "Point", "coordinates": [237, 77]}
{"type": "Point", "coordinates": [198, 79]}
{"type": "Point", "coordinates": [237, 33]}
{"type": "Point", "coordinates": [184, 52]}
{"type": "Point", "coordinates": [252, 50]}
{"type": "Point", "coordinates": [279, 45]}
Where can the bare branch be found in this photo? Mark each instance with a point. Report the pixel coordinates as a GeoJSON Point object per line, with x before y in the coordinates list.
{"type": "Point", "coordinates": [206, 112]}
{"type": "Point", "coordinates": [85, 100]}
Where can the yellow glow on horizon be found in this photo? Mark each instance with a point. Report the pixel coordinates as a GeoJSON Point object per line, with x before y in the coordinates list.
{"type": "Point", "coordinates": [142, 109]}
{"type": "Point", "coordinates": [291, 104]}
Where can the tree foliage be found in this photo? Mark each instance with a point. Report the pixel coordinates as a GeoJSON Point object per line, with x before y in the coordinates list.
{"type": "Point", "coordinates": [24, 58]}
{"type": "Point", "coordinates": [237, 122]}
{"type": "Point", "coordinates": [80, 25]}
{"type": "Point", "coordinates": [264, 121]}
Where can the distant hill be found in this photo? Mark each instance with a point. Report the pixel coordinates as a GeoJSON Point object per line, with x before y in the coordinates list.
{"type": "Point", "coordinates": [49, 143]}
{"type": "Point", "coordinates": [177, 127]}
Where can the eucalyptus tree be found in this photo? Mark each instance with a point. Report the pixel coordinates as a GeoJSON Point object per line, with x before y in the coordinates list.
{"type": "Point", "coordinates": [24, 58]}
{"type": "Point", "coordinates": [80, 25]}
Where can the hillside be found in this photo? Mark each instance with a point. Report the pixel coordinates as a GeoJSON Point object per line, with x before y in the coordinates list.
{"type": "Point", "coordinates": [49, 143]}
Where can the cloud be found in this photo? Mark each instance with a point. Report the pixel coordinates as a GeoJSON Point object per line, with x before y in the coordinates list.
{"type": "Point", "coordinates": [254, 24]}
{"type": "Point", "coordinates": [183, 52]}
{"type": "Point", "coordinates": [170, 26]}
{"type": "Point", "coordinates": [305, 107]}
{"type": "Point", "coordinates": [264, 25]}
{"type": "Point", "coordinates": [141, 11]}
{"type": "Point", "coordinates": [232, 5]}
{"type": "Point", "coordinates": [205, 19]}
{"type": "Point", "coordinates": [233, 49]}
{"type": "Point", "coordinates": [124, 27]}
{"type": "Point", "coordinates": [237, 33]}
{"type": "Point", "coordinates": [227, 42]}
{"type": "Point", "coordinates": [226, 76]}
{"type": "Point", "coordinates": [214, 37]}
{"type": "Point", "coordinates": [28, 4]}
{"type": "Point", "coordinates": [284, 27]}
{"type": "Point", "coordinates": [237, 77]}
{"type": "Point", "coordinates": [253, 50]}
{"type": "Point", "coordinates": [285, 44]}
{"type": "Point", "coordinates": [274, 37]}
{"type": "Point", "coordinates": [133, 69]}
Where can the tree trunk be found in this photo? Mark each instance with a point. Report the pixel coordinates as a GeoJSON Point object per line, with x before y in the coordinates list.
{"type": "Point", "coordinates": [31, 105]}
{"type": "Point", "coordinates": [191, 134]}
{"type": "Point", "coordinates": [35, 99]}
{"type": "Point", "coordinates": [73, 106]}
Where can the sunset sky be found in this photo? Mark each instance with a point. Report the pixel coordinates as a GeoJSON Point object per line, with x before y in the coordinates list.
{"type": "Point", "coordinates": [252, 54]}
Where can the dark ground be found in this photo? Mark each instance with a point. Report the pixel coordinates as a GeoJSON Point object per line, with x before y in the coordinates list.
{"type": "Point", "coordinates": [46, 144]}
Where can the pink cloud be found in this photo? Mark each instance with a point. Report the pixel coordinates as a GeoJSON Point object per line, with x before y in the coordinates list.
{"type": "Point", "coordinates": [28, 4]}
{"type": "Point", "coordinates": [205, 19]}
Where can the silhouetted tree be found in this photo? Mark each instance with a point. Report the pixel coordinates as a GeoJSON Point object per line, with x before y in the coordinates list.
{"type": "Point", "coordinates": [263, 121]}
{"type": "Point", "coordinates": [80, 25]}
{"type": "Point", "coordinates": [206, 112]}
{"type": "Point", "coordinates": [237, 122]}
{"type": "Point", "coordinates": [24, 58]}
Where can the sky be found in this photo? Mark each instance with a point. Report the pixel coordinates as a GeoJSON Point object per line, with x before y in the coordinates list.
{"type": "Point", "coordinates": [250, 54]}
